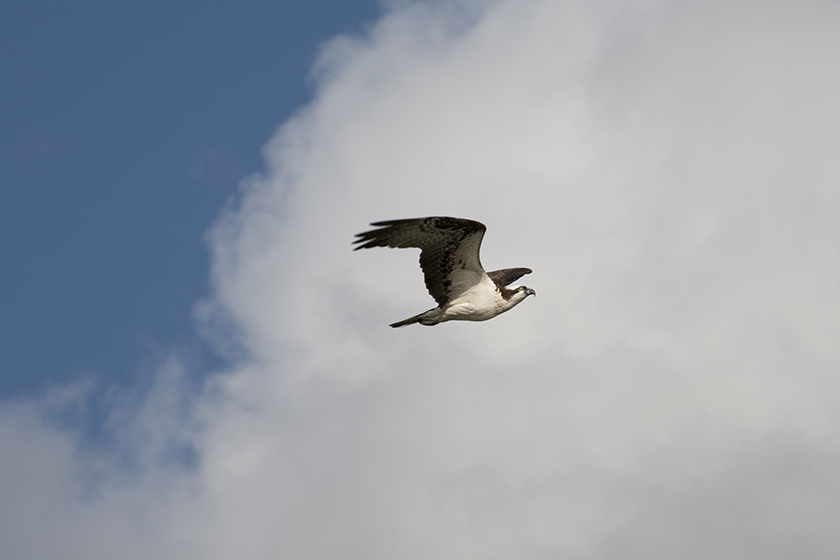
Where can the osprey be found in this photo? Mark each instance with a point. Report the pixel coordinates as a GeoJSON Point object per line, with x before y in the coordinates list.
{"type": "Point", "coordinates": [454, 275]}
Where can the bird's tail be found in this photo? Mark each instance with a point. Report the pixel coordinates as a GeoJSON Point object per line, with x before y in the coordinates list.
{"type": "Point", "coordinates": [430, 317]}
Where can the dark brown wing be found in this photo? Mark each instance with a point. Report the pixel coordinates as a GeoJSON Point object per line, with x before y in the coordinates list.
{"type": "Point", "coordinates": [449, 250]}
{"type": "Point", "coordinates": [505, 276]}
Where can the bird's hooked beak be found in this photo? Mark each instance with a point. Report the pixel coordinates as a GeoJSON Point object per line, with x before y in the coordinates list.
{"type": "Point", "coordinates": [530, 292]}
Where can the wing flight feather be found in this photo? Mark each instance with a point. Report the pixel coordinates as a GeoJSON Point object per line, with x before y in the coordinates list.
{"type": "Point", "coordinates": [449, 250]}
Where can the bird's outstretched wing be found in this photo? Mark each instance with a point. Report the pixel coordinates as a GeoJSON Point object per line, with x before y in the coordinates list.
{"type": "Point", "coordinates": [506, 276]}
{"type": "Point", "coordinates": [448, 250]}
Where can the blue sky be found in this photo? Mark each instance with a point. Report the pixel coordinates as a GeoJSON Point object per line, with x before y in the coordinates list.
{"type": "Point", "coordinates": [126, 127]}
{"type": "Point", "coordinates": [667, 169]}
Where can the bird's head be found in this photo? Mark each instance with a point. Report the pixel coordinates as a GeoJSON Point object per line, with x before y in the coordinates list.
{"type": "Point", "coordinates": [521, 292]}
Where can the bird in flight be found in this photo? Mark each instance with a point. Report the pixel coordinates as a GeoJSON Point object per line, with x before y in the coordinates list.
{"type": "Point", "coordinates": [454, 276]}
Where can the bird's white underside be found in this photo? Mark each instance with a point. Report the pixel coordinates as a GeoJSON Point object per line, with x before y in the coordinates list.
{"type": "Point", "coordinates": [479, 302]}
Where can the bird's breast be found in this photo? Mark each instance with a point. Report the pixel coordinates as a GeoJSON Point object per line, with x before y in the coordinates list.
{"type": "Point", "coordinates": [479, 303]}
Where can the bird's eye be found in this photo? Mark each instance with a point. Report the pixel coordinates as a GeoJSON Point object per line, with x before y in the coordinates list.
{"type": "Point", "coordinates": [521, 288]}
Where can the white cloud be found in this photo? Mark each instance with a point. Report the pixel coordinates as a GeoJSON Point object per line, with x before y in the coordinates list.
{"type": "Point", "coordinates": [669, 171]}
